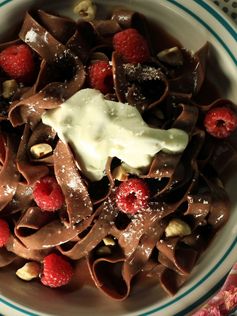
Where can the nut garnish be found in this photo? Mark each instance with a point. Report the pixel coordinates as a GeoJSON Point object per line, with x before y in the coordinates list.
{"type": "Point", "coordinates": [122, 172]}
{"type": "Point", "coordinates": [104, 250]}
{"type": "Point", "coordinates": [86, 9]}
{"type": "Point", "coordinates": [29, 271]}
{"type": "Point", "coordinates": [119, 173]}
{"type": "Point", "coordinates": [177, 227]}
{"type": "Point", "coordinates": [9, 87]}
{"type": "Point", "coordinates": [40, 150]}
{"type": "Point", "coordinates": [108, 241]}
{"type": "Point", "coordinates": [171, 56]}
{"type": "Point", "coordinates": [131, 170]}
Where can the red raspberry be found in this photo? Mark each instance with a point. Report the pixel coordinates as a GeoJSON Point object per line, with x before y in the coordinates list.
{"type": "Point", "coordinates": [48, 194]}
{"type": "Point", "coordinates": [131, 45]}
{"type": "Point", "coordinates": [4, 232]}
{"type": "Point", "coordinates": [18, 63]}
{"type": "Point", "coordinates": [132, 195]}
{"type": "Point", "coordinates": [56, 271]}
{"type": "Point", "coordinates": [220, 122]}
{"type": "Point", "coordinates": [101, 77]}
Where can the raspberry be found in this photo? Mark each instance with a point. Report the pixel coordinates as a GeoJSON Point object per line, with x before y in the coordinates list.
{"type": "Point", "coordinates": [18, 63]}
{"type": "Point", "coordinates": [131, 45]}
{"type": "Point", "coordinates": [56, 271]}
{"type": "Point", "coordinates": [101, 77]}
{"type": "Point", "coordinates": [4, 232]}
{"type": "Point", "coordinates": [132, 195]}
{"type": "Point", "coordinates": [220, 122]}
{"type": "Point", "coordinates": [48, 194]}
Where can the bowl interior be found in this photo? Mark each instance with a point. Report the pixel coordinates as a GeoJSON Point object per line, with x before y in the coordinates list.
{"type": "Point", "coordinates": [192, 34]}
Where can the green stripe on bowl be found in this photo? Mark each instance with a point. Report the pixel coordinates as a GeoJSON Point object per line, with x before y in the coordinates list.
{"type": "Point", "coordinates": [218, 17]}
{"type": "Point", "coordinates": [203, 298]}
{"type": "Point", "coordinates": [232, 31]}
{"type": "Point", "coordinates": [189, 308]}
{"type": "Point", "coordinates": [1, 5]}
{"type": "Point", "coordinates": [16, 308]}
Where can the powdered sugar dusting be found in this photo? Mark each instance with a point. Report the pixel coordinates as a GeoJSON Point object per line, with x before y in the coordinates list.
{"type": "Point", "coordinates": [8, 190]}
{"type": "Point", "coordinates": [31, 36]}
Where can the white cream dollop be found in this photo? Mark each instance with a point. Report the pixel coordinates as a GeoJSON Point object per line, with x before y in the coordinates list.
{"type": "Point", "coordinates": [97, 129]}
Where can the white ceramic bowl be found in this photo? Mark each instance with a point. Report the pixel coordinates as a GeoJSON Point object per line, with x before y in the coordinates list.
{"type": "Point", "coordinates": [193, 22]}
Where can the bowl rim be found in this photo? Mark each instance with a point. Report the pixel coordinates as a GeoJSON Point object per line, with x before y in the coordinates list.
{"type": "Point", "coordinates": [219, 15]}
{"type": "Point", "coordinates": [229, 25]}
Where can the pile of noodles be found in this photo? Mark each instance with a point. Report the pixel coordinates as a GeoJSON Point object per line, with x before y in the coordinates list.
{"type": "Point", "coordinates": [185, 186]}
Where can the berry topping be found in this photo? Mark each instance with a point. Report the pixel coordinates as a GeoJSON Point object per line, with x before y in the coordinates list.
{"type": "Point", "coordinates": [131, 45]}
{"type": "Point", "coordinates": [220, 122]}
{"type": "Point", "coordinates": [18, 63]}
{"type": "Point", "coordinates": [48, 194]}
{"type": "Point", "coordinates": [4, 232]}
{"type": "Point", "coordinates": [132, 195]}
{"type": "Point", "coordinates": [101, 77]}
{"type": "Point", "coordinates": [56, 271]}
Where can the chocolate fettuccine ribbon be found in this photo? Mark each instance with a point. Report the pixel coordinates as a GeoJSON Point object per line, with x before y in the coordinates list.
{"type": "Point", "coordinates": [185, 186]}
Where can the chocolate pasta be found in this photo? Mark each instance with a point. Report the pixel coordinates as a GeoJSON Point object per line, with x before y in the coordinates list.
{"type": "Point", "coordinates": [119, 250]}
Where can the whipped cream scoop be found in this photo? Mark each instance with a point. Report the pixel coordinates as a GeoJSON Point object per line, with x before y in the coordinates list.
{"type": "Point", "coordinates": [97, 128]}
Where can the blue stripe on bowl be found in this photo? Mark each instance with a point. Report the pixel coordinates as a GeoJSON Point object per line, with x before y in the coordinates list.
{"type": "Point", "coordinates": [188, 309]}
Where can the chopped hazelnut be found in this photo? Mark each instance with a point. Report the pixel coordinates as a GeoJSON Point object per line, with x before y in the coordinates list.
{"type": "Point", "coordinates": [40, 150]}
{"type": "Point", "coordinates": [171, 56]}
{"type": "Point", "coordinates": [9, 87]}
{"type": "Point", "coordinates": [108, 241]}
{"type": "Point", "coordinates": [86, 9]}
{"type": "Point", "coordinates": [29, 271]}
{"type": "Point", "coordinates": [177, 227]}
{"type": "Point", "coordinates": [119, 173]}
